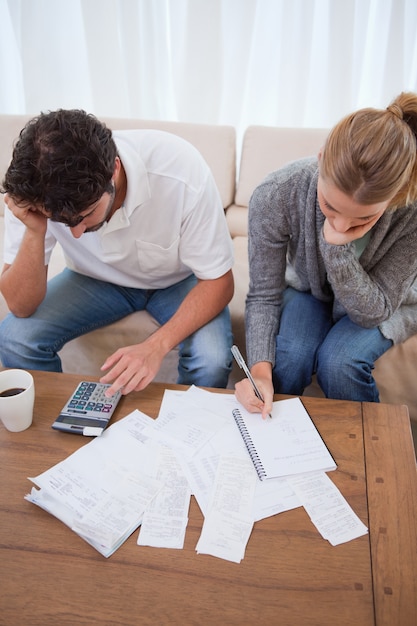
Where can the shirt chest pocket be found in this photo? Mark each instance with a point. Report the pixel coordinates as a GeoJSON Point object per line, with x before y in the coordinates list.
{"type": "Point", "coordinates": [155, 260]}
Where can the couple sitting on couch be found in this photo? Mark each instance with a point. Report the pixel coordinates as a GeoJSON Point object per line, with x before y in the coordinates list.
{"type": "Point", "coordinates": [140, 221]}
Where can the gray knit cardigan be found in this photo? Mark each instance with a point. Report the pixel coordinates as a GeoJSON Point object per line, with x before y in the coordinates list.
{"type": "Point", "coordinates": [286, 247]}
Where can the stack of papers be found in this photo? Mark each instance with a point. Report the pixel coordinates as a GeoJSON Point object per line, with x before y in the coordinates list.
{"type": "Point", "coordinates": [102, 490]}
{"type": "Point", "coordinates": [142, 472]}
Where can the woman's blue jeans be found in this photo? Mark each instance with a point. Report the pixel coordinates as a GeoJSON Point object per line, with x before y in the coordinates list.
{"type": "Point", "coordinates": [76, 304]}
{"type": "Point", "coordinates": [341, 354]}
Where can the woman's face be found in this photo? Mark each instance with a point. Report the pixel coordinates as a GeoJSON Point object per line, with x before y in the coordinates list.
{"type": "Point", "coordinates": [344, 215]}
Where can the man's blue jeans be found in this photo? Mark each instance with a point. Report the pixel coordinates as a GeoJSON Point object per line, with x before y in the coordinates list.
{"type": "Point", "coordinates": [76, 304]}
{"type": "Point", "coordinates": [341, 354]}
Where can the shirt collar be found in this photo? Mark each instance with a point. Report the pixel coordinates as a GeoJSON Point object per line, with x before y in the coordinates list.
{"type": "Point", "coordinates": [138, 189]}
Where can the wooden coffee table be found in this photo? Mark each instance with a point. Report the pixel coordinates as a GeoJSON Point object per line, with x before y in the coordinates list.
{"type": "Point", "coordinates": [290, 575]}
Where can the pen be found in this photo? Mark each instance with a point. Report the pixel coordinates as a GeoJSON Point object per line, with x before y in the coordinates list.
{"type": "Point", "coordinates": [241, 362]}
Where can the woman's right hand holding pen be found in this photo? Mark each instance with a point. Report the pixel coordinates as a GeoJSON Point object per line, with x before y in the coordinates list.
{"type": "Point", "coordinates": [262, 375]}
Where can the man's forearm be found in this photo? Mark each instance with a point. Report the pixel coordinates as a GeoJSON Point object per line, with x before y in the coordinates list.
{"type": "Point", "coordinates": [23, 284]}
{"type": "Point", "coordinates": [206, 300]}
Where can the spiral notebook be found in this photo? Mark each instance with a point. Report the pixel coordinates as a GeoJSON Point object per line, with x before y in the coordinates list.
{"type": "Point", "coordinates": [287, 444]}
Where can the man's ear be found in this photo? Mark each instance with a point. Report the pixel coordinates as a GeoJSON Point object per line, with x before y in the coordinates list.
{"type": "Point", "coordinates": [117, 166]}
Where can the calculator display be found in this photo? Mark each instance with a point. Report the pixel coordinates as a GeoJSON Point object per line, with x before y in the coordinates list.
{"type": "Point", "coordinates": [78, 421]}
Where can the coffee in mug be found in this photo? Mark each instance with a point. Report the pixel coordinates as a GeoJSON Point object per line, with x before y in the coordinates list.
{"type": "Point", "coordinates": [17, 396]}
{"type": "Point", "coordinates": [11, 392]}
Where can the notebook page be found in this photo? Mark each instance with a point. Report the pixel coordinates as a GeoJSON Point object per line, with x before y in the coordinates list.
{"type": "Point", "coordinates": [289, 443]}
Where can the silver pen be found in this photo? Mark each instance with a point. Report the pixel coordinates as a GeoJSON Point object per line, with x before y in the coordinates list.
{"type": "Point", "coordinates": [241, 362]}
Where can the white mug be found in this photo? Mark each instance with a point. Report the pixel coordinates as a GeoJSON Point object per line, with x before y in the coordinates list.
{"type": "Point", "coordinates": [17, 397]}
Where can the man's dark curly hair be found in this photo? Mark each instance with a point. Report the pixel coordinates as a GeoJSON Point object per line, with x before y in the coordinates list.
{"type": "Point", "coordinates": [64, 161]}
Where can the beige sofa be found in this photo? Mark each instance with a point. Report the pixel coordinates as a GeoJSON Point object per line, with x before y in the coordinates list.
{"type": "Point", "coordinates": [263, 150]}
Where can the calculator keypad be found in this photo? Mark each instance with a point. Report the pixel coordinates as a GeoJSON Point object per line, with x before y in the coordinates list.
{"type": "Point", "coordinates": [88, 411]}
{"type": "Point", "coordinates": [90, 397]}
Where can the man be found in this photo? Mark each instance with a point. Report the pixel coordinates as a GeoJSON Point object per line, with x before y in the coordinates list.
{"type": "Point", "coordinates": [140, 221]}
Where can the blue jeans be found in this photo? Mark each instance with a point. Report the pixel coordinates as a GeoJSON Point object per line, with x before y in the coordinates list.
{"type": "Point", "coordinates": [341, 354]}
{"type": "Point", "coordinates": [76, 304]}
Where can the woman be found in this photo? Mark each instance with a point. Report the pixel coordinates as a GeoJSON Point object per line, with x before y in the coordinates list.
{"type": "Point", "coordinates": [333, 260]}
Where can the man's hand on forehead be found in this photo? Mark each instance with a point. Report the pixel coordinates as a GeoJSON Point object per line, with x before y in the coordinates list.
{"type": "Point", "coordinates": [29, 214]}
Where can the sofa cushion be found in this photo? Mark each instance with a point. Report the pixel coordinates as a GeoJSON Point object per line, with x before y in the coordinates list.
{"type": "Point", "coordinates": [264, 150]}
{"type": "Point", "coordinates": [396, 375]}
{"type": "Point", "coordinates": [267, 148]}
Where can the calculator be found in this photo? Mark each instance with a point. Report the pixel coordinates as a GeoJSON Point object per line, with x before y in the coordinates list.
{"type": "Point", "coordinates": [88, 410]}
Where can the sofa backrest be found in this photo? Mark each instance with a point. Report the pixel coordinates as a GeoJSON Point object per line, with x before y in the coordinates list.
{"type": "Point", "coordinates": [264, 150]}
{"type": "Point", "coordinates": [216, 143]}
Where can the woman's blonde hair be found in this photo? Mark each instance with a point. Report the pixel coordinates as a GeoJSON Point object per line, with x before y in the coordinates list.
{"type": "Point", "coordinates": [371, 155]}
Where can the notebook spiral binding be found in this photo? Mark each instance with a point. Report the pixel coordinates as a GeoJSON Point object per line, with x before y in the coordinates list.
{"type": "Point", "coordinates": [249, 445]}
